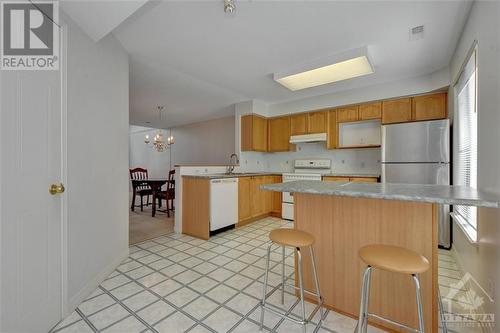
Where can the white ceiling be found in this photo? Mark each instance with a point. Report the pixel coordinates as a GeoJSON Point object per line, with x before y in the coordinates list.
{"type": "Point", "coordinates": [197, 61]}
{"type": "Point", "coordinates": [99, 18]}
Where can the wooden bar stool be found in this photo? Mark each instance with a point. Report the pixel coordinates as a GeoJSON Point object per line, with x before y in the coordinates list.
{"type": "Point", "coordinates": [296, 239]}
{"type": "Point", "coordinates": [393, 259]}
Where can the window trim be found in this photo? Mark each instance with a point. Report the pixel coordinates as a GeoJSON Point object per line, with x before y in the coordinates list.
{"type": "Point", "coordinates": [464, 225]}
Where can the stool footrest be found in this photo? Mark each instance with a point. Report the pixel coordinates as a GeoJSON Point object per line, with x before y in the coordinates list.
{"type": "Point", "coordinates": [297, 288]}
{"type": "Point", "coordinates": [392, 322]}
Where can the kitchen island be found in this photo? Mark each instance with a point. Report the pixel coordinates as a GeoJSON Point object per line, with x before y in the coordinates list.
{"type": "Point", "coordinates": [343, 217]}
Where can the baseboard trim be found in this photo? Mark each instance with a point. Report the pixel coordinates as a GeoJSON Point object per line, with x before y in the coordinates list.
{"type": "Point", "coordinates": [92, 285]}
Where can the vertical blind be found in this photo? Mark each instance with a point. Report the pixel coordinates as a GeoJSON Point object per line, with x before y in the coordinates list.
{"type": "Point", "coordinates": [465, 159]}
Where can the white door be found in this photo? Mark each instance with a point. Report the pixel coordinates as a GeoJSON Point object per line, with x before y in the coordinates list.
{"type": "Point", "coordinates": [31, 218]}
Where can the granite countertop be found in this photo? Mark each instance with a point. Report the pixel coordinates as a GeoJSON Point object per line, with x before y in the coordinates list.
{"type": "Point", "coordinates": [354, 175]}
{"type": "Point", "coordinates": [234, 175]}
{"type": "Point", "coordinates": [442, 194]}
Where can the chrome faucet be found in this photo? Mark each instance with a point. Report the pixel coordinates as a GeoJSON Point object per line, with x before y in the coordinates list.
{"type": "Point", "coordinates": [230, 167]}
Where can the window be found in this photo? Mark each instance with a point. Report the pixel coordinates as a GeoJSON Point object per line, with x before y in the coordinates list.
{"type": "Point", "coordinates": [465, 157]}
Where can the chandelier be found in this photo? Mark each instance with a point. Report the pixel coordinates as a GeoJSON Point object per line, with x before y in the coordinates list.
{"type": "Point", "coordinates": [158, 140]}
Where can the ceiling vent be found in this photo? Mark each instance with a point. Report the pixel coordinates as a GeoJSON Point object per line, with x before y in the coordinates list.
{"type": "Point", "coordinates": [417, 33]}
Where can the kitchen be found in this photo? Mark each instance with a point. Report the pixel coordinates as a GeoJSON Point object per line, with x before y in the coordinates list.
{"type": "Point", "coordinates": [408, 137]}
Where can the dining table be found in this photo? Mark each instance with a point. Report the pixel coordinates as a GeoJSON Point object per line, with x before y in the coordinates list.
{"type": "Point", "coordinates": [154, 184]}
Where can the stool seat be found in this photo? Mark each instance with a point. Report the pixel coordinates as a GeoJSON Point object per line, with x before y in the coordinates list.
{"type": "Point", "coordinates": [394, 259]}
{"type": "Point", "coordinates": [291, 237]}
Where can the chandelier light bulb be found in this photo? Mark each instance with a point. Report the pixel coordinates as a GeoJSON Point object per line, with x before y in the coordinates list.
{"type": "Point", "coordinates": [229, 6]}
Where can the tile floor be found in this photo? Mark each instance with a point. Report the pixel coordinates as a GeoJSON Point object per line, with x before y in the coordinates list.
{"type": "Point", "coordinates": [177, 283]}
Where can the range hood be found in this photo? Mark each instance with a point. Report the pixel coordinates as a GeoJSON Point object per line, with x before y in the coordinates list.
{"type": "Point", "coordinates": [318, 137]}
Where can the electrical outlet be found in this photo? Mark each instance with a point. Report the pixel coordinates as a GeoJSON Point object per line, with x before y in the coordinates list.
{"type": "Point", "coordinates": [362, 165]}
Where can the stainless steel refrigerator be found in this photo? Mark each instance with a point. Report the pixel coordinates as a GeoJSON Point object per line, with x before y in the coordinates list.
{"type": "Point", "coordinates": [419, 153]}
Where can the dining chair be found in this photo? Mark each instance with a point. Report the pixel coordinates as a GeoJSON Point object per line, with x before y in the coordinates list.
{"type": "Point", "coordinates": [169, 194]}
{"type": "Point", "coordinates": [142, 190]}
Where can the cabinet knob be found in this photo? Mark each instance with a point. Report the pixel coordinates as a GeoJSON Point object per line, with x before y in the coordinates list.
{"type": "Point", "coordinates": [56, 189]}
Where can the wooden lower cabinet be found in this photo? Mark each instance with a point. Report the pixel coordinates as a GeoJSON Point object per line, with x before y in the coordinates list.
{"type": "Point", "coordinates": [363, 179]}
{"type": "Point", "coordinates": [350, 179]}
{"type": "Point", "coordinates": [244, 211]}
{"type": "Point", "coordinates": [276, 198]}
{"type": "Point", "coordinates": [196, 207]}
{"type": "Point", "coordinates": [254, 202]}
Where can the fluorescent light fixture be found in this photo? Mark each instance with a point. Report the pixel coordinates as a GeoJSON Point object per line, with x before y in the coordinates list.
{"type": "Point", "coordinates": [340, 67]}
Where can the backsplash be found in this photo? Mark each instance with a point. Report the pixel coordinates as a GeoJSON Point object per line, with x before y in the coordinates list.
{"type": "Point", "coordinates": [343, 160]}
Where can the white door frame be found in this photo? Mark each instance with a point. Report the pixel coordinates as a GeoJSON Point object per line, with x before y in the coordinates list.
{"type": "Point", "coordinates": [63, 63]}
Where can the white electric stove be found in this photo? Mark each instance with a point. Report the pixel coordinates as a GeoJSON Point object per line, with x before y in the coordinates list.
{"type": "Point", "coordinates": [303, 170]}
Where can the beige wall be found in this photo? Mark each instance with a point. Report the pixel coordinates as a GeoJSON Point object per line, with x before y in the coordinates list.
{"type": "Point", "coordinates": [205, 142]}
{"type": "Point", "coordinates": [482, 260]}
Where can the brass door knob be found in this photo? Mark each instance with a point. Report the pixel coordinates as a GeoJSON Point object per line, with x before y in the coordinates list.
{"type": "Point", "coordinates": [56, 189]}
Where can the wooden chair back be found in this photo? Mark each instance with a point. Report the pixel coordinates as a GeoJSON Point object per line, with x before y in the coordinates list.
{"type": "Point", "coordinates": [171, 183]}
{"type": "Point", "coordinates": [139, 174]}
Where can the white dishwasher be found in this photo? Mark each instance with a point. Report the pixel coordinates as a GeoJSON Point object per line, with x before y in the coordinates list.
{"type": "Point", "coordinates": [223, 203]}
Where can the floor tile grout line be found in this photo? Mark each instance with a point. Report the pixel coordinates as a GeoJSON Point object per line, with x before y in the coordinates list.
{"type": "Point", "coordinates": [130, 311]}
{"type": "Point", "coordinates": [177, 309]}
{"type": "Point", "coordinates": [189, 241]}
{"type": "Point", "coordinates": [87, 321]}
{"type": "Point", "coordinates": [204, 294]}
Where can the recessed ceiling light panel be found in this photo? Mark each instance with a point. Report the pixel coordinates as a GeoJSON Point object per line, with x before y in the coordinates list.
{"type": "Point", "coordinates": [339, 67]}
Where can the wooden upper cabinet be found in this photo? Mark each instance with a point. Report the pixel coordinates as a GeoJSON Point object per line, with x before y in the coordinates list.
{"type": "Point", "coordinates": [298, 124]}
{"type": "Point", "coordinates": [253, 133]}
{"type": "Point", "coordinates": [396, 111]}
{"type": "Point", "coordinates": [317, 122]}
{"type": "Point", "coordinates": [332, 130]}
{"type": "Point", "coordinates": [370, 111]}
{"type": "Point", "coordinates": [347, 114]}
{"type": "Point", "coordinates": [279, 134]}
{"type": "Point", "coordinates": [429, 107]}
{"type": "Point", "coordinates": [244, 198]}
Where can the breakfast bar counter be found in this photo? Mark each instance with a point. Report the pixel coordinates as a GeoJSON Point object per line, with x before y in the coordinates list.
{"type": "Point", "coordinates": [343, 217]}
